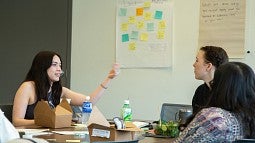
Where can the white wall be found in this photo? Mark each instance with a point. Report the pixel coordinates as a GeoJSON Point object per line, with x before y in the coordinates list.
{"type": "Point", "coordinates": [93, 52]}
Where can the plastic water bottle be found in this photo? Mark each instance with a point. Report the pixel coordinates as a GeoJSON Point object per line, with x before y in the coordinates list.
{"type": "Point", "coordinates": [126, 111]}
{"type": "Point", "coordinates": [86, 110]}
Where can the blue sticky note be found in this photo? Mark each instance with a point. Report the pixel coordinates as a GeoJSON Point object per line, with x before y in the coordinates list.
{"type": "Point", "coordinates": [158, 15]}
{"type": "Point", "coordinates": [125, 37]}
{"type": "Point", "coordinates": [150, 26]}
{"type": "Point", "coordinates": [122, 12]}
{"type": "Point", "coordinates": [134, 35]}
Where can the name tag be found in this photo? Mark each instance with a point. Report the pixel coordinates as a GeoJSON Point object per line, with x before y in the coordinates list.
{"type": "Point", "coordinates": [100, 133]}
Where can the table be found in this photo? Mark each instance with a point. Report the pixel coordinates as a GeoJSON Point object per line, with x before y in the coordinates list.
{"type": "Point", "coordinates": [58, 138]}
{"type": "Point", "coordinates": [156, 140]}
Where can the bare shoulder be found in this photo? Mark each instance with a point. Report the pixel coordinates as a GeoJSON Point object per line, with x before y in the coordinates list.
{"type": "Point", "coordinates": [26, 89]}
{"type": "Point", "coordinates": [28, 84]}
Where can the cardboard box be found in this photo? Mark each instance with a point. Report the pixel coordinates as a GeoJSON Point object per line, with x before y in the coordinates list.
{"type": "Point", "coordinates": [59, 117]}
{"type": "Point", "coordinates": [101, 130]}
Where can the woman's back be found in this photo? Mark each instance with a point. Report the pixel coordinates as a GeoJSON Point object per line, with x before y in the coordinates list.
{"type": "Point", "coordinates": [212, 125]}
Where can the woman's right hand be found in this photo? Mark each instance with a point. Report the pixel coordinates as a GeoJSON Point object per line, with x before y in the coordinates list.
{"type": "Point", "coordinates": [114, 71]}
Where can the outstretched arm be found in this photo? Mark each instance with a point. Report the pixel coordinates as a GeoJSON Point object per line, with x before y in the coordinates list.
{"type": "Point", "coordinates": [78, 99]}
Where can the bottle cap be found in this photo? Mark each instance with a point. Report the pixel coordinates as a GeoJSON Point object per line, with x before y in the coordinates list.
{"type": "Point", "coordinates": [87, 98]}
{"type": "Point", "coordinates": [126, 102]}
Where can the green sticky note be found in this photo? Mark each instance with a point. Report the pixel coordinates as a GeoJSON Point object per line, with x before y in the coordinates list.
{"type": "Point", "coordinates": [134, 35]}
{"type": "Point", "coordinates": [122, 12]}
{"type": "Point", "coordinates": [125, 37]}
{"type": "Point", "coordinates": [150, 26]}
{"type": "Point", "coordinates": [158, 15]}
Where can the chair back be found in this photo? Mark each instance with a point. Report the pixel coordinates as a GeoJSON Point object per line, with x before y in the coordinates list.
{"type": "Point", "coordinates": [169, 111]}
{"type": "Point", "coordinates": [7, 109]}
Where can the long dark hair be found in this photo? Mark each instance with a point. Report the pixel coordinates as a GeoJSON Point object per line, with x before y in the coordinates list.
{"type": "Point", "coordinates": [38, 74]}
{"type": "Point", "coordinates": [233, 89]}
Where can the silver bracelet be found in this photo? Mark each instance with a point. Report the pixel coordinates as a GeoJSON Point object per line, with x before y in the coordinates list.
{"type": "Point", "coordinates": [103, 86]}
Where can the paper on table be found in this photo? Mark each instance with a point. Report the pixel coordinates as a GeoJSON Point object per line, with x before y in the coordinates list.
{"type": "Point", "coordinates": [35, 132]}
{"type": "Point", "coordinates": [31, 131]}
{"type": "Point", "coordinates": [140, 124]}
{"type": "Point", "coordinates": [71, 132]}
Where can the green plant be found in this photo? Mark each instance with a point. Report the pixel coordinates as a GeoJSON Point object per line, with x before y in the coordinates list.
{"type": "Point", "coordinates": [169, 128]}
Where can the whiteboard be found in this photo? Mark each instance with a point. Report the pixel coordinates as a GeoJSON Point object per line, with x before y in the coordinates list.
{"type": "Point", "coordinates": [222, 23]}
{"type": "Point", "coordinates": [144, 33]}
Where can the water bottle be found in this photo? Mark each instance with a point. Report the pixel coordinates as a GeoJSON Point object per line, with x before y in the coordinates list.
{"type": "Point", "coordinates": [86, 110]}
{"type": "Point", "coordinates": [126, 111]}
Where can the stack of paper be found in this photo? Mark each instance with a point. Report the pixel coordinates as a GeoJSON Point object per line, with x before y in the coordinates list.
{"type": "Point", "coordinates": [140, 124]}
{"type": "Point", "coordinates": [34, 132]}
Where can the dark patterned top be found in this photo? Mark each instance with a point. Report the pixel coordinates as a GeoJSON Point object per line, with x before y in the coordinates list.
{"type": "Point", "coordinates": [212, 125]}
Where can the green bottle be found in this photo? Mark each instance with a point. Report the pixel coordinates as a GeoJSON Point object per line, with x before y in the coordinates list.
{"type": "Point", "coordinates": [126, 111]}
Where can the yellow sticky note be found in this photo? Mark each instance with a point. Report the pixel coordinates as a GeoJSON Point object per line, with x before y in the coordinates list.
{"type": "Point", "coordinates": [162, 24]}
{"type": "Point", "coordinates": [132, 46]}
{"type": "Point", "coordinates": [124, 26]}
{"type": "Point", "coordinates": [140, 24]}
{"type": "Point", "coordinates": [147, 4]}
{"type": "Point", "coordinates": [131, 19]}
{"type": "Point", "coordinates": [147, 15]}
{"type": "Point", "coordinates": [144, 37]}
{"type": "Point", "coordinates": [161, 34]}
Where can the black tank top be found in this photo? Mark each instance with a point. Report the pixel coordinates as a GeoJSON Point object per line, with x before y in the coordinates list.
{"type": "Point", "coordinates": [30, 111]}
{"type": "Point", "coordinates": [30, 108]}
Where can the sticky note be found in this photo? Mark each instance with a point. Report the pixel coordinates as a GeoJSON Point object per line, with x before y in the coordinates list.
{"type": "Point", "coordinates": [131, 19]}
{"type": "Point", "coordinates": [124, 26]}
{"type": "Point", "coordinates": [162, 24]}
{"type": "Point", "coordinates": [139, 11]}
{"type": "Point", "coordinates": [147, 4]}
{"type": "Point", "coordinates": [144, 37]}
{"type": "Point", "coordinates": [161, 34]}
{"type": "Point", "coordinates": [140, 25]}
{"type": "Point", "coordinates": [134, 35]}
{"type": "Point", "coordinates": [150, 26]}
{"type": "Point", "coordinates": [147, 15]}
{"type": "Point", "coordinates": [122, 12]}
{"type": "Point", "coordinates": [125, 37]}
{"type": "Point", "coordinates": [158, 15]}
{"type": "Point", "coordinates": [132, 46]}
